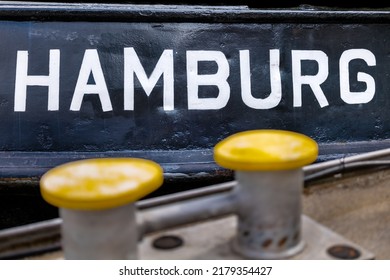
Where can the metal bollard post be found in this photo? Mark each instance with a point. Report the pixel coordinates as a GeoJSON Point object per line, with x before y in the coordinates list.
{"type": "Point", "coordinates": [268, 169]}
{"type": "Point", "coordinates": [95, 198]}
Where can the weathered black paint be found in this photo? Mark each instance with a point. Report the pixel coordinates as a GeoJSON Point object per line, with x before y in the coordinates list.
{"type": "Point", "coordinates": [181, 140]}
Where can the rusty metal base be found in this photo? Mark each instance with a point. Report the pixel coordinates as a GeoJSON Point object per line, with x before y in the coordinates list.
{"type": "Point", "coordinates": [213, 239]}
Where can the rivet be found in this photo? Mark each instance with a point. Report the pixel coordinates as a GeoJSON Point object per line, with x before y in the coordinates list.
{"type": "Point", "coordinates": [168, 242]}
{"type": "Point", "coordinates": [343, 252]}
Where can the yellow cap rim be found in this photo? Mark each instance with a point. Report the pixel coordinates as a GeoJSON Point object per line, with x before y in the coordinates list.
{"type": "Point", "coordinates": [102, 183]}
{"type": "Point", "coordinates": [265, 150]}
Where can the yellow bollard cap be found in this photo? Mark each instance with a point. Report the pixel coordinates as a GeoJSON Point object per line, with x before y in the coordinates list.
{"type": "Point", "coordinates": [265, 150]}
{"type": "Point", "coordinates": [96, 184]}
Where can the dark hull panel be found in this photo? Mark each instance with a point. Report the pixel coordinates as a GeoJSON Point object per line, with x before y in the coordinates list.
{"type": "Point", "coordinates": [169, 82]}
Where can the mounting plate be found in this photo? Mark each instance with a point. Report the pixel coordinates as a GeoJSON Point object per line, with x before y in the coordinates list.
{"type": "Point", "coordinates": [212, 240]}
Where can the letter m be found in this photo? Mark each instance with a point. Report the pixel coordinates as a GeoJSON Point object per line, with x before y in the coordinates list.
{"type": "Point", "coordinates": [164, 67]}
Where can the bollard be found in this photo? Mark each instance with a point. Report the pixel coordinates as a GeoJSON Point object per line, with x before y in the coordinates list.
{"type": "Point", "coordinates": [95, 199]}
{"type": "Point", "coordinates": [268, 169]}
